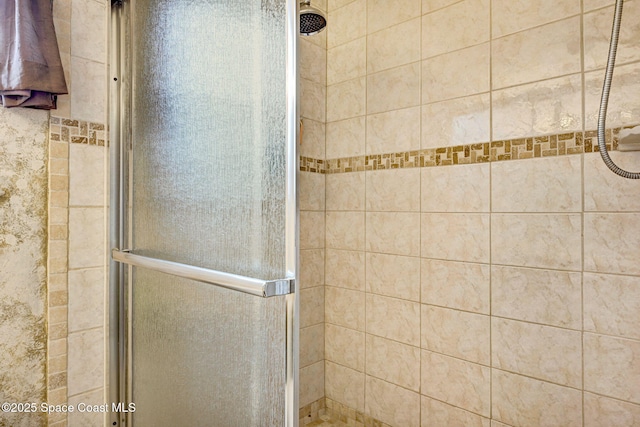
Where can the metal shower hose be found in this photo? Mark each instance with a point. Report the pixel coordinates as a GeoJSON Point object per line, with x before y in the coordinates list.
{"type": "Point", "coordinates": [604, 101]}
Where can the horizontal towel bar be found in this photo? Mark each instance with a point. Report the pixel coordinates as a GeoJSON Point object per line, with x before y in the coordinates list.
{"type": "Point", "coordinates": [249, 285]}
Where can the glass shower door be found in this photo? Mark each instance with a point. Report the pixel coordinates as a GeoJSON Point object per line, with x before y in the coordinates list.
{"type": "Point", "coordinates": [207, 223]}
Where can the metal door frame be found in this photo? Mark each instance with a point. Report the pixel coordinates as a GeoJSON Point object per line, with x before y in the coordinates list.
{"type": "Point", "coordinates": [119, 352]}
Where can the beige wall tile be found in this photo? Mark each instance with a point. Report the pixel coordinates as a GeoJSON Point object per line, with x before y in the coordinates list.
{"type": "Point", "coordinates": [313, 100]}
{"type": "Point", "coordinates": [345, 269]}
{"type": "Point", "coordinates": [595, 4]}
{"type": "Point", "coordinates": [311, 345]}
{"type": "Point", "coordinates": [312, 61]}
{"type": "Point", "coordinates": [468, 67]}
{"type": "Point", "coordinates": [541, 108]}
{"type": "Point", "coordinates": [457, 285]}
{"type": "Point", "coordinates": [89, 30]}
{"type": "Point", "coordinates": [86, 361]}
{"type": "Point", "coordinates": [83, 418]}
{"type": "Point", "coordinates": [346, 138]}
{"type": "Point", "coordinates": [538, 351]}
{"type": "Point", "coordinates": [541, 296]}
{"type": "Point", "coordinates": [455, 237]}
{"type": "Point", "coordinates": [456, 122]}
{"type": "Point", "coordinates": [345, 347]}
{"type": "Point", "coordinates": [394, 89]}
{"type": "Point", "coordinates": [456, 333]}
{"type": "Point", "coordinates": [602, 411]}
{"type": "Point", "coordinates": [622, 109]}
{"type": "Point", "coordinates": [336, 4]}
{"type": "Point", "coordinates": [393, 131]}
{"type": "Point", "coordinates": [311, 190]}
{"type": "Point", "coordinates": [393, 276]}
{"type": "Point", "coordinates": [438, 414]}
{"type": "Point", "coordinates": [606, 191]}
{"type": "Point", "coordinates": [540, 53]}
{"type": "Point", "coordinates": [312, 143]}
{"type": "Point", "coordinates": [88, 90]}
{"type": "Point", "coordinates": [347, 23]}
{"type": "Point", "coordinates": [392, 404]}
{"type": "Point", "coordinates": [612, 305]}
{"type": "Point", "coordinates": [597, 33]}
{"type": "Point", "coordinates": [463, 188]}
{"type": "Point", "coordinates": [86, 299]}
{"type": "Point", "coordinates": [312, 306]}
{"type": "Point", "coordinates": [345, 230]}
{"type": "Point", "coordinates": [611, 368]}
{"type": "Point", "coordinates": [406, 362]}
{"type": "Point", "coordinates": [345, 307]}
{"type": "Point", "coordinates": [517, 187]}
{"type": "Point", "coordinates": [347, 61]}
{"type": "Point", "coordinates": [544, 240]}
{"type": "Point", "coordinates": [346, 100]}
{"type": "Point", "coordinates": [393, 233]}
{"type": "Point", "coordinates": [462, 384]}
{"type": "Point", "coordinates": [394, 46]}
{"type": "Point", "coordinates": [610, 243]}
{"type": "Point", "coordinates": [394, 190]}
{"type": "Point", "coordinates": [394, 319]}
{"type": "Point", "coordinates": [386, 13]}
{"type": "Point", "coordinates": [346, 191]}
{"type": "Point", "coordinates": [312, 229]}
{"type": "Point", "coordinates": [456, 26]}
{"type": "Point", "coordinates": [519, 400]}
{"type": "Point", "coordinates": [86, 246]}
{"type": "Point", "coordinates": [312, 383]}
{"type": "Point", "coordinates": [311, 268]}
{"type": "Point", "coordinates": [431, 5]}
{"type": "Point", "coordinates": [345, 386]}
{"type": "Point", "coordinates": [511, 16]}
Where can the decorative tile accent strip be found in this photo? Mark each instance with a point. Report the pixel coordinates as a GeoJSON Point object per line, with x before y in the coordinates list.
{"type": "Point", "coordinates": [514, 149]}
{"type": "Point", "coordinates": [338, 411]}
{"type": "Point", "coordinates": [78, 132]}
{"type": "Point", "coordinates": [312, 412]}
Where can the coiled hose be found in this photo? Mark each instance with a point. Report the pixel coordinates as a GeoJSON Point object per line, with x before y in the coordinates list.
{"type": "Point", "coordinates": [604, 100]}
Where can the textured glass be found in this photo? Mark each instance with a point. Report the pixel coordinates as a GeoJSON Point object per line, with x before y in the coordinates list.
{"type": "Point", "coordinates": [208, 189]}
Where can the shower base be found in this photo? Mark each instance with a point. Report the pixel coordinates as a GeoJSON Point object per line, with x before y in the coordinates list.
{"type": "Point", "coordinates": [326, 421]}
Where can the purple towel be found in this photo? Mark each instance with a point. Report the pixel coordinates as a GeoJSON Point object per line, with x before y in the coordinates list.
{"type": "Point", "coordinates": [31, 73]}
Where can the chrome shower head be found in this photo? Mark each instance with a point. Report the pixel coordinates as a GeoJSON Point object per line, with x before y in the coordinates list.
{"type": "Point", "coordinates": [312, 20]}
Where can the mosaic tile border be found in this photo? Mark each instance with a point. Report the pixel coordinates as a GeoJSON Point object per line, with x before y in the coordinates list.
{"type": "Point", "coordinates": [337, 412]}
{"type": "Point", "coordinates": [78, 131]}
{"type": "Point", "coordinates": [513, 149]}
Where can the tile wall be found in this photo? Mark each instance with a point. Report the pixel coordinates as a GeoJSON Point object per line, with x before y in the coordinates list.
{"type": "Point", "coordinates": [499, 288]}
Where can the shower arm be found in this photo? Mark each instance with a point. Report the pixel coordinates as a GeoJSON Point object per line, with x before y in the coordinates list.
{"type": "Point", "coordinates": [604, 100]}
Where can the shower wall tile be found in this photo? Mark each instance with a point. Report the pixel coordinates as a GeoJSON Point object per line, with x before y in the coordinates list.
{"type": "Point", "coordinates": [456, 333]}
{"type": "Point", "coordinates": [455, 237]}
{"type": "Point", "coordinates": [406, 362]}
{"type": "Point", "coordinates": [311, 191]}
{"type": "Point", "coordinates": [560, 191]}
{"type": "Point", "coordinates": [611, 368]}
{"type": "Point", "coordinates": [312, 229]}
{"type": "Point", "coordinates": [540, 53]}
{"type": "Point", "coordinates": [518, 400]}
{"type": "Point", "coordinates": [596, 4]}
{"type": "Point", "coordinates": [346, 138]}
{"type": "Point", "coordinates": [393, 131]}
{"type": "Point", "coordinates": [547, 297]}
{"type": "Point", "coordinates": [86, 361]}
{"type": "Point", "coordinates": [345, 347]}
{"type": "Point", "coordinates": [345, 385]}
{"type": "Point", "coordinates": [456, 122]}
{"type": "Point", "coordinates": [456, 26]}
{"type": "Point", "coordinates": [86, 298]}
{"type": "Point", "coordinates": [459, 383]}
{"type": "Point", "coordinates": [612, 305]}
{"type": "Point", "coordinates": [346, 100]}
{"type": "Point", "coordinates": [462, 188]}
{"type": "Point", "coordinates": [432, 5]}
{"type": "Point", "coordinates": [88, 90]}
{"type": "Point", "coordinates": [313, 97]}
{"type": "Point", "coordinates": [312, 61]}
{"type": "Point", "coordinates": [393, 190]}
{"type": "Point", "coordinates": [345, 230]}
{"type": "Point", "coordinates": [610, 243]}
{"type": "Point", "coordinates": [541, 108]}
{"type": "Point", "coordinates": [312, 268]}
{"type": "Point", "coordinates": [541, 240]}
{"type": "Point", "coordinates": [393, 233]}
{"type": "Point", "coordinates": [347, 23]}
{"type": "Point", "coordinates": [597, 33]}
{"type": "Point", "coordinates": [346, 192]}
{"type": "Point", "coordinates": [468, 67]}
{"type": "Point", "coordinates": [457, 285]}
{"type": "Point", "coordinates": [393, 276]}
{"type": "Point", "coordinates": [86, 247]}
{"type": "Point", "coordinates": [312, 345]}
{"type": "Point", "coordinates": [437, 414]}
{"type": "Point", "coordinates": [393, 89]}
{"type": "Point", "coordinates": [538, 351]}
{"type": "Point", "coordinates": [87, 162]}
{"type": "Point", "coordinates": [345, 307]}
{"type": "Point", "coordinates": [312, 302]}
{"type": "Point", "coordinates": [336, 4]}
{"type": "Point", "coordinates": [392, 318]}
{"type": "Point", "coordinates": [606, 191]}
{"type": "Point", "coordinates": [512, 16]}
{"type": "Point", "coordinates": [312, 143]}
{"type": "Point", "coordinates": [85, 418]}
{"type": "Point", "coordinates": [394, 46]}
{"type": "Point", "coordinates": [346, 269]}
{"type": "Point", "coordinates": [88, 30]}
{"type": "Point", "coordinates": [622, 108]}
{"type": "Point", "coordinates": [382, 14]}
{"type": "Point", "coordinates": [392, 404]}
{"type": "Point", "coordinates": [312, 383]}
{"type": "Point", "coordinates": [347, 61]}
{"type": "Point", "coordinates": [603, 411]}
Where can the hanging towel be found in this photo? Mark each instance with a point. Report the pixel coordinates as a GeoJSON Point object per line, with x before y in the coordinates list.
{"type": "Point", "coordinates": [31, 73]}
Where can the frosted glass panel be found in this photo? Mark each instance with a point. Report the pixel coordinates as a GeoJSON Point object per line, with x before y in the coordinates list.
{"type": "Point", "coordinates": [209, 134]}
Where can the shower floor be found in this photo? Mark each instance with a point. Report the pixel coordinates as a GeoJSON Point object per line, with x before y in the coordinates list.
{"type": "Point", "coordinates": [326, 421]}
